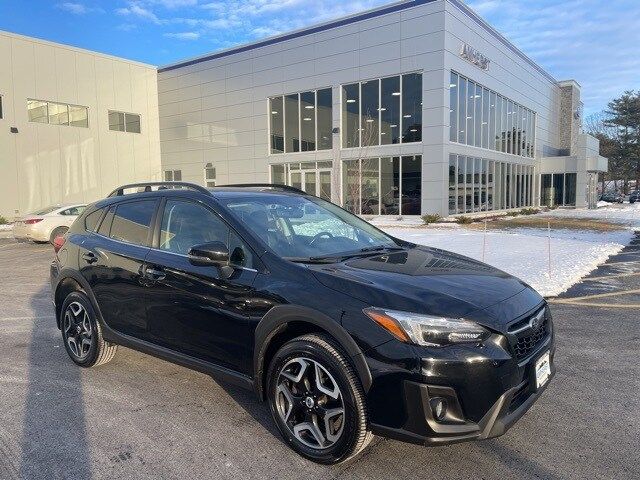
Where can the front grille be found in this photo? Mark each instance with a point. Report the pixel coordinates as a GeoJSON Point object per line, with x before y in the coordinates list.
{"type": "Point", "coordinates": [530, 339]}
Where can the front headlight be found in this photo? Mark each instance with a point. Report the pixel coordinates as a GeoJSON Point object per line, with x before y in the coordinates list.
{"type": "Point", "coordinates": [427, 330]}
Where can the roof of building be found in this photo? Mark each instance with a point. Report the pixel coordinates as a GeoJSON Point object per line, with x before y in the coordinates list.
{"type": "Point", "coordinates": [372, 13]}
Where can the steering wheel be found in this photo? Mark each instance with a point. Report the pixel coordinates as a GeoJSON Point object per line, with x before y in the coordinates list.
{"type": "Point", "coordinates": [320, 235]}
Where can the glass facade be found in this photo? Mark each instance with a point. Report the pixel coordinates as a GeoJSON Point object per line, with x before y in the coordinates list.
{"type": "Point", "coordinates": [558, 189]}
{"type": "Point", "coordinates": [54, 113]}
{"type": "Point", "coordinates": [301, 122]}
{"type": "Point", "coordinates": [382, 111]}
{"type": "Point", "coordinates": [382, 185]}
{"type": "Point", "coordinates": [483, 118]}
{"type": "Point", "coordinates": [481, 185]}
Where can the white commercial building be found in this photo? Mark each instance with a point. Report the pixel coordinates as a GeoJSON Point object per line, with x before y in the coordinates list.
{"type": "Point", "coordinates": [412, 108]}
{"type": "Point", "coordinates": [73, 124]}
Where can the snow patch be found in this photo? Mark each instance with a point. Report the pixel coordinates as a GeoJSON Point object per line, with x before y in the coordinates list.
{"type": "Point", "coordinates": [524, 253]}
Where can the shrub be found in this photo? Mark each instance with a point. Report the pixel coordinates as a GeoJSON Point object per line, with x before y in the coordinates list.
{"type": "Point", "coordinates": [513, 214]}
{"type": "Point", "coordinates": [430, 218]}
{"type": "Point", "coordinates": [3, 221]}
{"type": "Point", "coordinates": [529, 211]}
{"type": "Point", "coordinates": [465, 220]}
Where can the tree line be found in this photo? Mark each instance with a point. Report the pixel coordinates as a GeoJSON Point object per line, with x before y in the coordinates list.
{"type": "Point", "coordinates": [618, 129]}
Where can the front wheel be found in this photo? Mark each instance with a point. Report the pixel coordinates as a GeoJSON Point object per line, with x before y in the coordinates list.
{"type": "Point", "coordinates": [82, 334]}
{"type": "Point", "coordinates": [317, 401]}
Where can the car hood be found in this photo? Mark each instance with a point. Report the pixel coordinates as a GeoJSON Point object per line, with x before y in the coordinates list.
{"type": "Point", "coordinates": [426, 280]}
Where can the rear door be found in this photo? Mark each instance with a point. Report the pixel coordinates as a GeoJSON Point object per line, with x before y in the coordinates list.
{"type": "Point", "coordinates": [193, 309]}
{"type": "Point", "coordinates": [112, 261]}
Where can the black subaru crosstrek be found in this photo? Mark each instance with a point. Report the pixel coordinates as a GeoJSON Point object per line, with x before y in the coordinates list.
{"type": "Point", "coordinates": [344, 330]}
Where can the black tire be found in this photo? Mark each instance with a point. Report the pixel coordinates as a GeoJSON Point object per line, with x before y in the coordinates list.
{"type": "Point", "coordinates": [322, 349]}
{"type": "Point", "coordinates": [98, 351]}
{"type": "Point", "coordinates": [57, 232]}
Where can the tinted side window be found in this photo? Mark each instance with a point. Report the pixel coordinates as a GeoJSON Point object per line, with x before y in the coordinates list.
{"type": "Point", "coordinates": [185, 224]}
{"type": "Point", "coordinates": [132, 221]}
{"type": "Point", "coordinates": [91, 220]}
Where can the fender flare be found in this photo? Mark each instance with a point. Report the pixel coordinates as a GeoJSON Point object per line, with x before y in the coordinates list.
{"type": "Point", "coordinates": [69, 273]}
{"type": "Point", "coordinates": [276, 321]}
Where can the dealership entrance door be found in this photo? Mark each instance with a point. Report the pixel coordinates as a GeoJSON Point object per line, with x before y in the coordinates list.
{"type": "Point", "coordinates": [313, 180]}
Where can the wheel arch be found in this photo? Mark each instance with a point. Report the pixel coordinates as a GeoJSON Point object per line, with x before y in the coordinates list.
{"type": "Point", "coordinates": [71, 281]}
{"type": "Point", "coordinates": [285, 322]}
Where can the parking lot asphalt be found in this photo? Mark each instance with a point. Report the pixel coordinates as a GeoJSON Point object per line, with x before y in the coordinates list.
{"type": "Point", "coordinates": [139, 417]}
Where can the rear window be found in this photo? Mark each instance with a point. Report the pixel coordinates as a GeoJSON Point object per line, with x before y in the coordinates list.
{"type": "Point", "coordinates": [132, 221]}
{"type": "Point", "coordinates": [91, 220]}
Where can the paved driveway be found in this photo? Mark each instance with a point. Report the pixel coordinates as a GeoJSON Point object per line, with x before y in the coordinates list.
{"type": "Point", "coordinates": [138, 417]}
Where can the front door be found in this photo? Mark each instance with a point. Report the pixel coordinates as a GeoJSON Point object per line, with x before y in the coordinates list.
{"type": "Point", "coordinates": [192, 309]}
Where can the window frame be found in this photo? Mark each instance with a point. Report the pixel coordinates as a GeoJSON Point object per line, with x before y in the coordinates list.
{"type": "Point", "coordinates": [207, 167]}
{"type": "Point", "coordinates": [114, 207]}
{"type": "Point", "coordinates": [283, 98]}
{"type": "Point", "coordinates": [47, 103]}
{"type": "Point", "coordinates": [139, 115]}
{"type": "Point", "coordinates": [515, 116]}
{"type": "Point", "coordinates": [401, 112]}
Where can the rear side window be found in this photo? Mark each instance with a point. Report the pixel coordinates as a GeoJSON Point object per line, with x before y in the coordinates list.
{"type": "Point", "coordinates": [105, 226]}
{"type": "Point", "coordinates": [91, 220]}
{"type": "Point", "coordinates": [132, 221]}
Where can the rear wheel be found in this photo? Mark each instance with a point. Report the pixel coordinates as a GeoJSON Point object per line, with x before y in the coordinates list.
{"type": "Point", "coordinates": [57, 232]}
{"type": "Point", "coordinates": [82, 334]}
{"type": "Point", "coordinates": [317, 401]}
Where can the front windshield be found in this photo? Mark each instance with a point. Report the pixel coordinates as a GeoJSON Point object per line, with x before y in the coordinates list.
{"type": "Point", "coordinates": [299, 227]}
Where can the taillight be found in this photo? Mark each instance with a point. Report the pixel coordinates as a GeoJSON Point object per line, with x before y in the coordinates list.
{"type": "Point", "coordinates": [58, 243]}
{"type": "Point", "coordinates": [32, 221]}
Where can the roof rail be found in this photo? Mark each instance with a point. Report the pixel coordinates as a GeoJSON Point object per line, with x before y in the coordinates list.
{"type": "Point", "coordinates": [161, 186]}
{"type": "Point", "coordinates": [265, 185]}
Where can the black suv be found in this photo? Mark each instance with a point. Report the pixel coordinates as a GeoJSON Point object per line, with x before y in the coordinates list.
{"type": "Point", "coordinates": [343, 329]}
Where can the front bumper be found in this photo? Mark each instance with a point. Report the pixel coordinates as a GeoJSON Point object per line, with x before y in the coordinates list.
{"type": "Point", "coordinates": [489, 401]}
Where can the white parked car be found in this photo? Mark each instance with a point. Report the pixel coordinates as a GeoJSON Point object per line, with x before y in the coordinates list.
{"type": "Point", "coordinates": [46, 224]}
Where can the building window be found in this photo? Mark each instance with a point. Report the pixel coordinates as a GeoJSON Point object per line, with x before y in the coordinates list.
{"type": "Point", "coordinates": [1, 116]}
{"type": "Point", "coordinates": [483, 118]}
{"type": "Point", "coordinates": [53, 113]}
{"type": "Point", "coordinates": [481, 185]}
{"type": "Point", "coordinates": [383, 186]}
{"type": "Point", "coordinates": [210, 176]}
{"type": "Point", "coordinates": [312, 177]}
{"type": "Point", "coordinates": [124, 122]}
{"type": "Point", "coordinates": [558, 189]}
{"type": "Point", "coordinates": [301, 122]}
{"type": "Point", "coordinates": [382, 111]}
{"type": "Point", "coordinates": [173, 175]}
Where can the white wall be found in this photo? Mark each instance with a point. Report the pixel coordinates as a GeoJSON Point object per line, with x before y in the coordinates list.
{"type": "Point", "coordinates": [45, 164]}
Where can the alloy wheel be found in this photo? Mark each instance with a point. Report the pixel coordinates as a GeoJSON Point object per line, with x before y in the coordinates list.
{"type": "Point", "coordinates": [310, 403]}
{"type": "Point", "coordinates": [77, 330]}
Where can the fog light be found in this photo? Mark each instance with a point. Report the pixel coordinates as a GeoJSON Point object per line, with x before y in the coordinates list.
{"type": "Point", "coordinates": [438, 407]}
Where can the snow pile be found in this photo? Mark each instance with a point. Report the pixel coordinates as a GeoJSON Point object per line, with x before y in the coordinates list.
{"type": "Point", "coordinates": [6, 227]}
{"type": "Point", "coordinates": [525, 252]}
{"type": "Point", "coordinates": [624, 214]}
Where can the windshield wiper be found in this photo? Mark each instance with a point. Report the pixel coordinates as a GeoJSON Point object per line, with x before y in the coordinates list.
{"type": "Point", "coordinates": [359, 253]}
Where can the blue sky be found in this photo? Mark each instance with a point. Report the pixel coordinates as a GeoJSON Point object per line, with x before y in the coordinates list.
{"type": "Point", "coordinates": [594, 41]}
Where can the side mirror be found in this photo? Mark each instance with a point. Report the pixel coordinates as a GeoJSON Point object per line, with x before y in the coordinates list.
{"type": "Point", "coordinates": [209, 254]}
